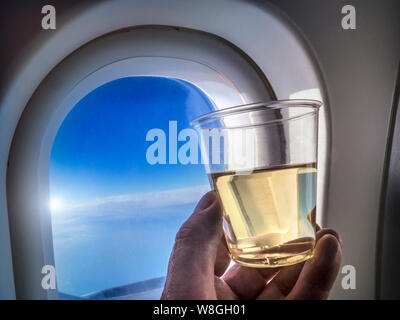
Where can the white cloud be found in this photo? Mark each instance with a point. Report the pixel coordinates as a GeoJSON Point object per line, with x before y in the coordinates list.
{"type": "Point", "coordinates": [151, 199]}
{"type": "Point", "coordinates": [131, 205]}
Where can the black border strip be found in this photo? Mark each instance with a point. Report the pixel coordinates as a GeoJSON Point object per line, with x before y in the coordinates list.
{"type": "Point", "coordinates": [388, 200]}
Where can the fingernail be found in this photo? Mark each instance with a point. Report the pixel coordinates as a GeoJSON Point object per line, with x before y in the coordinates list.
{"type": "Point", "coordinates": [333, 233]}
{"type": "Point", "coordinates": [331, 245]}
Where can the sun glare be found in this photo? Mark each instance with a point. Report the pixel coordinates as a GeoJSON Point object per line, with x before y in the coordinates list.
{"type": "Point", "coordinates": [55, 204]}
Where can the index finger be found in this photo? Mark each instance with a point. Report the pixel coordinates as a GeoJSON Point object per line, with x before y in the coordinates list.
{"type": "Point", "coordinates": [247, 282]}
{"type": "Point", "coordinates": [319, 273]}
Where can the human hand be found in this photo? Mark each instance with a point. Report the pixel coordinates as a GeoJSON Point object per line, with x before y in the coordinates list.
{"type": "Point", "coordinates": [200, 258]}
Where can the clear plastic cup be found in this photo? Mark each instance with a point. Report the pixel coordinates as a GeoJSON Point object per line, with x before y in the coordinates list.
{"type": "Point", "coordinates": [262, 160]}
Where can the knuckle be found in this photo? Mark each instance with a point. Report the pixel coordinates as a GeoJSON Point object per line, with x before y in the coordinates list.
{"type": "Point", "coordinates": [184, 233]}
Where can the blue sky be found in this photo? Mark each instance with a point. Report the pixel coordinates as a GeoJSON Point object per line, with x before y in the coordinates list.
{"type": "Point", "coordinates": [117, 214]}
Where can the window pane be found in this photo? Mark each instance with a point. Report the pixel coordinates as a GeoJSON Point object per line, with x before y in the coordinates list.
{"type": "Point", "coordinates": [114, 215]}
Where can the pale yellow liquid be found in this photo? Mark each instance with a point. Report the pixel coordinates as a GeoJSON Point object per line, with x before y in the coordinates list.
{"type": "Point", "coordinates": [269, 215]}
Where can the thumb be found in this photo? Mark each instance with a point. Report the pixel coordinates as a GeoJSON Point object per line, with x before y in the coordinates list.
{"type": "Point", "coordinates": [191, 266]}
{"type": "Point", "coordinates": [203, 228]}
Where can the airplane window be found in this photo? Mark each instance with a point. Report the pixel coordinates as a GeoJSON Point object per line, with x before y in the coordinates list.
{"type": "Point", "coordinates": [115, 215]}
